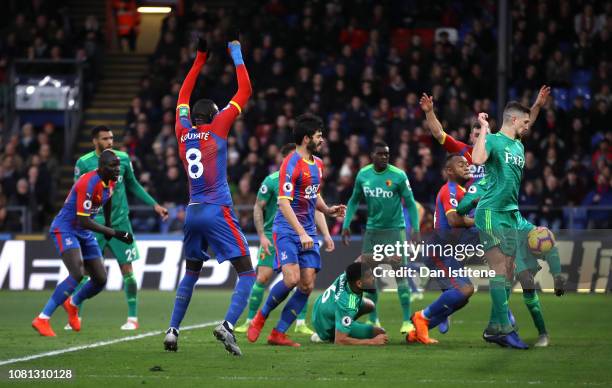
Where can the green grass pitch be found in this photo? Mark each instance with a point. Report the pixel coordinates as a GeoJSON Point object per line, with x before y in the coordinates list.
{"type": "Point", "coordinates": [579, 325]}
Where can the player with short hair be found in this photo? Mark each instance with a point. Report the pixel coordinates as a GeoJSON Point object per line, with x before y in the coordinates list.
{"type": "Point", "coordinates": [210, 219]}
{"type": "Point", "coordinates": [336, 310]}
{"type": "Point", "coordinates": [526, 264]}
{"type": "Point", "coordinates": [71, 231]}
{"type": "Point", "coordinates": [264, 212]}
{"type": "Point", "coordinates": [497, 215]}
{"type": "Point", "coordinates": [126, 254]}
{"type": "Point", "coordinates": [456, 289]}
{"type": "Point", "coordinates": [294, 231]}
{"type": "Point", "coordinates": [383, 186]}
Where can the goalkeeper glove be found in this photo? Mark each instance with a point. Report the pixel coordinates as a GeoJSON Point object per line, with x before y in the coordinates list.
{"type": "Point", "coordinates": [125, 237]}
{"type": "Point", "coordinates": [234, 50]}
{"type": "Point", "coordinates": [559, 285]}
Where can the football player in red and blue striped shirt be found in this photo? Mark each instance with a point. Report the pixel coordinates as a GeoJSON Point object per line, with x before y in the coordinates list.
{"type": "Point", "coordinates": [294, 230]}
{"type": "Point", "coordinates": [71, 231]}
{"type": "Point", "coordinates": [210, 221]}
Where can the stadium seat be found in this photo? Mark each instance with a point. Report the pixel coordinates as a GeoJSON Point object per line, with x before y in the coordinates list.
{"type": "Point", "coordinates": [512, 94]}
{"type": "Point", "coordinates": [581, 78]}
{"type": "Point", "coordinates": [583, 91]}
{"type": "Point", "coordinates": [561, 97]}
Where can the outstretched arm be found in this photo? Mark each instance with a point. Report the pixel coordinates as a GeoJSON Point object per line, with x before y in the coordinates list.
{"type": "Point", "coordinates": [479, 154]}
{"type": "Point", "coordinates": [539, 103]}
{"type": "Point", "coordinates": [435, 127]}
{"type": "Point", "coordinates": [182, 106]}
{"type": "Point", "coordinates": [224, 120]}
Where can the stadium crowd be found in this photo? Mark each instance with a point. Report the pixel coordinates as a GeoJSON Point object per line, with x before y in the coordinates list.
{"type": "Point", "coordinates": [362, 67]}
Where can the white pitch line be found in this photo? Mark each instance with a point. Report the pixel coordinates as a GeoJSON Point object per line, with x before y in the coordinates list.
{"type": "Point", "coordinates": [102, 343]}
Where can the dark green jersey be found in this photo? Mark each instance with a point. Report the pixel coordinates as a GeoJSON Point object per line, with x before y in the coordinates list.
{"type": "Point", "coordinates": [120, 209]}
{"type": "Point", "coordinates": [383, 192]}
{"type": "Point", "coordinates": [504, 171]}
{"type": "Point", "coordinates": [336, 308]}
{"type": "Point", "coordinates": [268, 191]}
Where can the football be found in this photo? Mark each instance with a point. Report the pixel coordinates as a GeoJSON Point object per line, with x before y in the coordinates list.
{"type": "Point", "coordinates": [540, 240]}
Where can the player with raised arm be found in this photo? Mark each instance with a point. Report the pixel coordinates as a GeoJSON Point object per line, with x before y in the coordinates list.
{"type": "Point", "coordinates": [456, 289]}
{"type": "Point", "coordinates": [336, 310]}
{"type": "Point", "coordinates": [294, 232]}
{"type": "Point", "coordinates": [526, 264]}
{"type": "Point", "coordinates": [497, 216]}
{"type": "Point", "coordinates": [453, 145]}
{"type": "Point", "coordinates": [71, 231]}
{"type": "Point", "coordinates": [383, 186]}
{"type": "Point", "coordinates": [210, 219]}
{"type": "Point", "coordinates": [264, 212]}
{"type": "Point", "coordinates": [102, 138]}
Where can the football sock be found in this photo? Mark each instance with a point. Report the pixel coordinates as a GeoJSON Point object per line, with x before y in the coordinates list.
{"type": "Point", "coordinates": [304, 312]}
{"type": "Point", "coordinates": [553, 260]}
{"type": "Point", "coordinates": [508, 289]}
{"type": "Point", "coordinates": [183, 296]}
{"type": "Point", "coordinates": [131, 294]}
{"type": "Point", "coordinates": [294, 305]}
{"type": "Point", "coordinates": [240, 297]}
{"type": "Point", "coordinates": [444, 306]}
{"type": "Point", "coordinates": [535, 309]}
{"type": "Point", "coordinates": [437, 319]}
{"type": "Point", "coordinates": [499, 299]}
{"type": "Point", "coordinates": [89, 290]}
{"type": "Point", "coordinates": [255, 300]}
{"type": "Point", "coordinates": [373, 296]}
{"type": "Point", "coordinates": [278, 293]}
{"type": "Point", "coordinates": [60, 294]}
{"type": "Point", "coordinates": [77, 289]}
{"type": "Point", "coordinates": [403, 293]}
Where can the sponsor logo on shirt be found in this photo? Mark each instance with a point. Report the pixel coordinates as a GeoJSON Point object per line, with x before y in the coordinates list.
{"type": "Point", "coordinates": [477, 172]}
{"type": "Point", "coordinates": [311, 191]}
{"type": "Point", "coordinates": [377, 192]}
{"type": "Point", "coordinates": [517, 160]}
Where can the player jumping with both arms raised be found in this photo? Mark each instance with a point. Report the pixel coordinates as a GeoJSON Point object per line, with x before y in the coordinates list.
{"type": "Point", "coordinates": [71, 231]}
{"type": "Point", "coordinates": [126, 254]}
{"type": "Point", "coordinates": [210, 219]}
{"type": "Point", "coordinates": [295, 239]}
{"type": "Point", "coordinates": [264, 211]}
{"type": "Point", "coordinates": [383, 186]}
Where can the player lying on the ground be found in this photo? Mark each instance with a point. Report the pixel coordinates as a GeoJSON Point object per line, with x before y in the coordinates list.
{"type": "Point", "coordinates": [335, 312]}
{"type": "Point", "coordinates": [383, 186]}
{"type": "Point", "coordinates": [295, 238]}
{"type": "Point", "coordinates": [210, 219]}
{"type": "Point", "coordinates": [264, 212]}
{"type": "Point", "coordinates": [456, 289]}
{"type": "Point", "coordinates": [526, 262]}
{"type": "Point", "coordinates": [102, 138]}
{"type": "Point", "coordinates": [71, 231]}
{"type": "Point", "coordinates": [497, 215]}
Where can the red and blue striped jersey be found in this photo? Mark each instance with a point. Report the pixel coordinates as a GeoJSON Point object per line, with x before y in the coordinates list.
{"type": "Point", "coordinates": [453, 145]}
{"type": "Point", "coordinates": [88, 194]}
{"type": "Point", "coordinates": [299, 181]}
{"type": "Point", "coordinates": [447, 200]}
{"type": "Point", "coordinates": [203, 150]}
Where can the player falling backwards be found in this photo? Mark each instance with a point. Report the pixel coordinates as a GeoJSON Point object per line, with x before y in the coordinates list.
{"type": "Point", "coordinates": [526, 264]}
{"type": "Point", "coordinates": [102, 138]}
{"type": "Point", "coordinates": [456, 289]}
{"type": "Point", "coordinates": [452, 145]}
{"type": "Point", "coordinates": [210, 219]}
{"type": "Point", "coordinates": [264, 211]}
{"type": "Point", "coordinates": [71, 231]}
{"type": "Point", "coordinates": [497, 216]}
{"type": "Point", "coordinates": [383, 186]}
{"type": "Point", "coordinates": [335, 312]}
{"type": "Point", "coordinates": [294, 232]}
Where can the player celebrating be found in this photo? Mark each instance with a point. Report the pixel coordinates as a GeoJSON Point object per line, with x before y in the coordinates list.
{"type": "Point", "coordinates": [297, 251]}
{"type": "Point", "coordinates": [71, 231]}
{"type": "Point", "coordinates": [383, 186]}
{"type": "Point", "coordinates": [102, 138]}
{"type": "Point", "coordinates": [456, 289]}
{"type": "Point", "coordinates": [526, 265]}
{"type": "Point", "coordinates": [497, 215]}
{"type": "Point", "coordinates": [264, 212]}
{"type": "Point", "coordinates": [452, 145]}
{"type": "Point", "coordinates": [210, 219]}
{"type": "Point", "coordinates": [336, 311]}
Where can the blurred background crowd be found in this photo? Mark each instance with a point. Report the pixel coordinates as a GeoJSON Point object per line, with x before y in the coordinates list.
{"type": "Point", "coordinates": [361, 66]}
